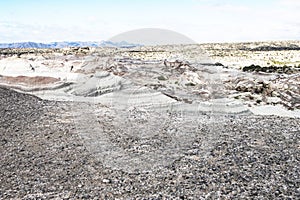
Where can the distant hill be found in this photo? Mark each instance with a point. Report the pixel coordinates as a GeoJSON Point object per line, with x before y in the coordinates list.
{"type": "Point", "coordinates": [122, 44]}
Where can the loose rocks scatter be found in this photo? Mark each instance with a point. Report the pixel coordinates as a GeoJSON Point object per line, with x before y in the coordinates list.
{"type": "Point", "coordinates": [272, 69]}
{"type": "Point", "coordinates": [43, 157]}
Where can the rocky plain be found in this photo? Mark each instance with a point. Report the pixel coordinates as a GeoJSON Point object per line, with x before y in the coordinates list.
{"type": "Point", "coordinates": [199, 121]}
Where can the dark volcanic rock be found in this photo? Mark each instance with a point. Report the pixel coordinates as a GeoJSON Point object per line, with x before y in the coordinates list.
{"type": "Point", "coordinates": [271, 69]}
{"type": "Point", "coordinates": [291, 47]}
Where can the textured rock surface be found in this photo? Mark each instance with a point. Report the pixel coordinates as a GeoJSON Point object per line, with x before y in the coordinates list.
{"type": "Point", "coordinates": [44, 154]}
{"type": "Point", "coordinates": [189, 74]}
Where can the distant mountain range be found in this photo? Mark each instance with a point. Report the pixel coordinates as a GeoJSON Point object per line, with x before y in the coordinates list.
{"type": "Point", "coordinates": [122, 44]}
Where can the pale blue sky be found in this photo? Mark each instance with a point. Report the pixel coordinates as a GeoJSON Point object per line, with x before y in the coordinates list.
{"type": "Point", "coordinates": [201, 20]}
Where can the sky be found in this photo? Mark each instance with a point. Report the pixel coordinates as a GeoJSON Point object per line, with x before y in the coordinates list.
{"type": "Point", "coordinates": [201, 20]}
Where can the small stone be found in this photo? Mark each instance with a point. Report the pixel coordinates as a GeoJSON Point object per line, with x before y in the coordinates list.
{"type": "Point", "coordinates": [106, 181]}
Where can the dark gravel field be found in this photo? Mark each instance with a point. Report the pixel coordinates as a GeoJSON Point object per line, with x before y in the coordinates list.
{"type": "Point", "coordinates": [44, 157]}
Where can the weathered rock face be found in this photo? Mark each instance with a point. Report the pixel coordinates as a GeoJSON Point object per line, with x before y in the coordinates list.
{"type": "Point", "coordinates": [180, 66]}
{"type": "Point", "coordinates": [251, 85]}
{"type": "Point", "coordinates": [181, 73]}
{"type": "Point", "coordinates": [282, 90]}
{"type": "Point", "coordinates": [117, 69]}
{"type": "Point", "coordinates": [25, 80]}
{"type": "Point", "coordinates": [190, 79]}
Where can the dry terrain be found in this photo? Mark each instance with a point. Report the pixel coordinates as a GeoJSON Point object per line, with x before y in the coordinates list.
{"type": "Point", "coordinates": [207, 121]}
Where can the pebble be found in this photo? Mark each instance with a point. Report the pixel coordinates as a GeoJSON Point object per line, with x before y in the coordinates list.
{"type": "Point", "coordinates": [106, 181]}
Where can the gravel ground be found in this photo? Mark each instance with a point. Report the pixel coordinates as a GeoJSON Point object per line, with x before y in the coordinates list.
{"type": "Point", "coordinates": [43, 157]}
